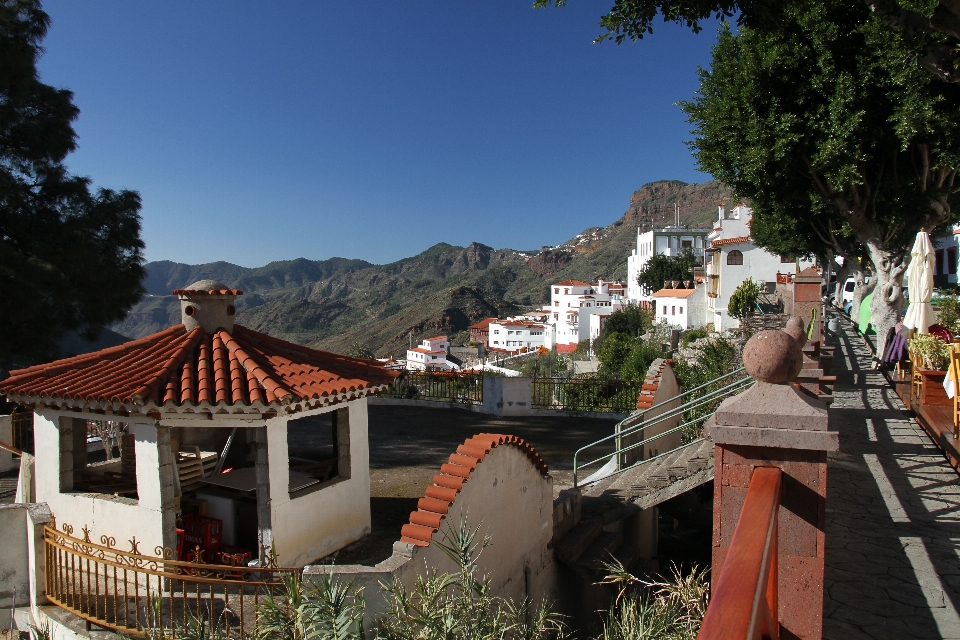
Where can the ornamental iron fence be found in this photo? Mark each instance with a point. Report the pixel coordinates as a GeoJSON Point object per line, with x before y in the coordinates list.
{"type": "Point", "coordinates": [155, 596]}
{"type": "Point", "coordinates": [439, 386]}
{"type": "Point", "coordinates": [586, 394]}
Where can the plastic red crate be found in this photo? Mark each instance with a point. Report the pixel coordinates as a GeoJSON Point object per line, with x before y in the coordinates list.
{"type": "Point", "coordinates": [207, 533]}
{"type": "Point", "coordinates": [235, 556]}
{"type": "Point", "coordinates": [180, 533]}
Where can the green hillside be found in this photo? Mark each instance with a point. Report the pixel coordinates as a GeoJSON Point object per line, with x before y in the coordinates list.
{"type": "Point", "coordinates": [333, 303]}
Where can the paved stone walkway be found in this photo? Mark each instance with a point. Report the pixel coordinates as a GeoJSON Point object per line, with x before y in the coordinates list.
{"type": "Point", "coordinates": [893, 515]}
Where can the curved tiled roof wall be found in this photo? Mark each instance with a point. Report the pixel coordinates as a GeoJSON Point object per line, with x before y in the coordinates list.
{"type": "Point", "coordinates": [441, 495]}
{"type": "Point", "coordinates": [651, 383]}
{"type": "Point", "coordinates": [176, 369]}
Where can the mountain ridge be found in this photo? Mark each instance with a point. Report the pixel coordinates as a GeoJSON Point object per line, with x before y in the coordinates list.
{"type": "Point", "coordinates": [332, 303]}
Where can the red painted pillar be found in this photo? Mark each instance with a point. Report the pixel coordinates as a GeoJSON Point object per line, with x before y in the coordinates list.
{"type": "Point", "coordinates": [774, 425]}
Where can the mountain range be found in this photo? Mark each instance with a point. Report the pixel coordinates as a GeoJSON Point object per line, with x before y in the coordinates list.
{"type": "Point", "coordinates": [334, 303]}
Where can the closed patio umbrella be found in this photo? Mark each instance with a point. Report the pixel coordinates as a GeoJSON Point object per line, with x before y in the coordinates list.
{"type": "Point", "coordinates": [920, 313]}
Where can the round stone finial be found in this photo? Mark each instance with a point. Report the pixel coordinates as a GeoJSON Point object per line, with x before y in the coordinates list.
{"type": "Point", "coordinates": [773, 356]}
{"type": "Point", "coordinates": [795, 328]}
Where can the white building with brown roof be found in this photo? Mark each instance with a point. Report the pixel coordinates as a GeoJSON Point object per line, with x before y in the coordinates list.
{"type": "Point", "coordinates": [431, 355]}
{"type": "Point", "coordinates": [681, 308]}
{"type": "Point", "coordinates": [204, 389]}
{"type": "Point", "coordinates": [732, 258]}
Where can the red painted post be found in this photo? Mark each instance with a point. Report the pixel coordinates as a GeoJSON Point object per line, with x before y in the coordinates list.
{"type": "Point", "coordinates": [773, 425]}
{"type": "Point", "coordinates": [745, 594]}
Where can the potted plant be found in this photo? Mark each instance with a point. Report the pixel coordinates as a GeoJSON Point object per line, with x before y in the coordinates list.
{"type": "Point", "coordinates": [933, 352]}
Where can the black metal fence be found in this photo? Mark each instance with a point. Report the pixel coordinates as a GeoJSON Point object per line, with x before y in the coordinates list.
{"type": "Point", "coordinates": [463, 388]}
{"type": "Point", "coordinates": [586, 394]}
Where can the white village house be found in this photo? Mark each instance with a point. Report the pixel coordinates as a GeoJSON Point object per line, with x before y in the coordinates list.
{"type": "Point", "coordinates": [680, 308]}
{"type": "Point", "coordinates": [431, 355]}
{"type": "Point", "coordinates": [733, 258]}
{"type": "Point", "coordinates": [668, 241]}
{"type": "Point", "coordinates": [573, 305]}
{"type": "Point", "coordinates": [514, 335]}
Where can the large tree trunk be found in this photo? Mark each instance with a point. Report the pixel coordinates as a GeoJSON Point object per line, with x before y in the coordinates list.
{"type": "Point", "coordinates": [887, 293]}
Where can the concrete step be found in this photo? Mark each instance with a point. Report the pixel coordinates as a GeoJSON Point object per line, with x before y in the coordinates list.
{"type": "Point", "coordinates": [579, 539]}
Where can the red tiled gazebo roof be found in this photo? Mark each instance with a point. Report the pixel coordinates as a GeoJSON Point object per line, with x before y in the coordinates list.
{"type": "Point", "coordinates": [181, 371]}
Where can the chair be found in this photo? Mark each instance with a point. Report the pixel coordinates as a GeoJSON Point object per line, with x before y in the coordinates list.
{"type": "Point", "coordinates": [916, 380]}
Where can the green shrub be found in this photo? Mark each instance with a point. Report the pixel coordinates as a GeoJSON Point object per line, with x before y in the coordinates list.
{"type": "Point", "coordinates": [743, 300]}
{"type": "Point", "coordinates": [948, 313]}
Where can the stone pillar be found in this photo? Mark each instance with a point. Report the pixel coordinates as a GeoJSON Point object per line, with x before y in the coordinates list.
{"type": "Point", "coordinates": [262, 467]}
{"type": "Point", "coordinates": [155, 476]}
{"type": "Point", "coordinates": [774, 425]}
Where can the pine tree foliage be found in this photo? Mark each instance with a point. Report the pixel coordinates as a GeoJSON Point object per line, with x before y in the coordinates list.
{"type": "Point", "coordinates": [70, 255]}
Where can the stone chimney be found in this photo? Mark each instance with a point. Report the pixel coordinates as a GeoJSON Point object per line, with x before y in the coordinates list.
{"type": "Point", "coordinates": [208, 304]}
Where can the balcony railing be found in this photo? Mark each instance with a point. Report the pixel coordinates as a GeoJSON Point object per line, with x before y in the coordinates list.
{"type": "Point", "coordinates": [744, 604]}
{"type": "Point", "coordinates": [134, 593]}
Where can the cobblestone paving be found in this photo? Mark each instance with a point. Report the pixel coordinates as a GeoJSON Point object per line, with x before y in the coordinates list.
{"type": "Point", "coordinates": [893, 515]}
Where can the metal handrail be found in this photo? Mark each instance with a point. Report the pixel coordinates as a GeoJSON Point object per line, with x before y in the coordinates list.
{"type": "Point", "coordinates": [681, 395]}
{"type": "Point", "coordinates": [726, 390]}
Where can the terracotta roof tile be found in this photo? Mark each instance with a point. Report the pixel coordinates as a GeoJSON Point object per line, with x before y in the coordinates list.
{"type": "Point", "coordinates": [176, 369]}
{"type": "Point", "coordinates": [716, 243]}
{"type": "Point", "coordinates": [448, 483]}
{"type": "Point", "coordinates": [211, 292]}
{"type": "Point", "coordinates": [674, 293]}
{"type": "Point", "coordinates": [572, 283]}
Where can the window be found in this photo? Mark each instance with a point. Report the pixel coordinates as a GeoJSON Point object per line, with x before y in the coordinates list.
{"type": "Point", "coordinates": [566, 291]}
{"type": "Point", "coordinates": [673, 311]}
{"type": "Point", "coordinates": [681, 310]}
{"type": "Point", "coordinates": [556, 290]}
{"type": "Point", "coordinates": [686, 244]}
{"type": "Point", "coordinates": [952, 260]}
{"type": "Point", "coordinates": [938, 262]}
{"type": "Point", "coordinates": [664, 309]}
{"type": "Point", "coordinates": [557, 303]}
{"type": "Point", "coordinates": [734, 257]}
{"type": "Point", "coordinates": [319, 447]}
{"type": "Point", "coordinates": [496, 330]}
{"type": "Point", "coordinates": [787, 259]}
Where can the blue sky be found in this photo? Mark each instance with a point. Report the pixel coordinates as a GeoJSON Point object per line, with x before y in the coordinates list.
{"type": "Point", "coordinates": [261, 131]}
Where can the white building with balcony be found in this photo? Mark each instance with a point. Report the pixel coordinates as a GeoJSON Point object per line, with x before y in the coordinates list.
{"type": "Point", "coordinates": [515, 335]}
{"type": "Point", "coordinates": [572, 305]}
{"type": "Point", "coordinates": [732, 258]}
{"type": "Point", "coordinates": [668, 241]}
{"type": "Point", "coordinates": [431, 355]}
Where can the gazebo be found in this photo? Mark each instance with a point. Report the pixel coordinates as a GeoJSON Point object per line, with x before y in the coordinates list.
{"type": "Point", "coordinates": [267, 436]}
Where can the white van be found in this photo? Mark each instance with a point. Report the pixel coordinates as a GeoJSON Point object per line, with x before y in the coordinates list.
{"type": "Point", "coordinates": [847, 293]}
